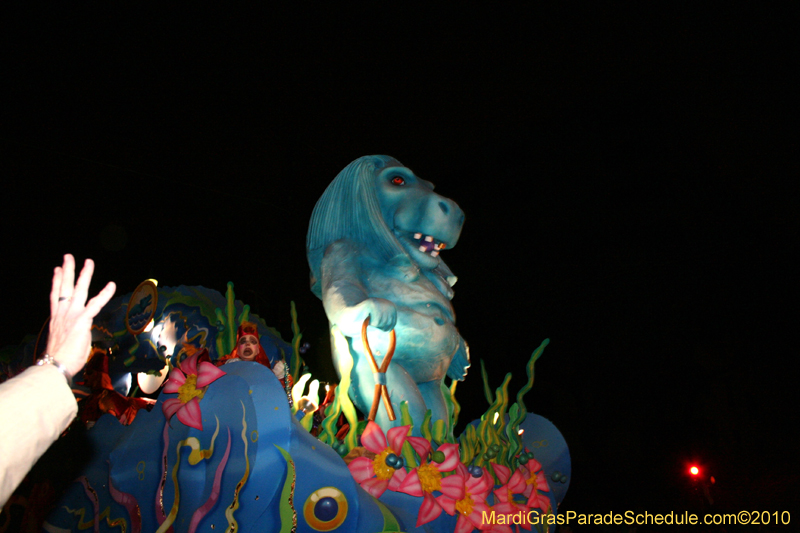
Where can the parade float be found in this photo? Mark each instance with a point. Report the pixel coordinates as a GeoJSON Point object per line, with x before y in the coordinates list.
{"type": "Point", "coordinates": [181, 444]}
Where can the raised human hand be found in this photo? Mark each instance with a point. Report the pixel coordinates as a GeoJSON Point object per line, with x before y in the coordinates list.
{"type": "Point", "coordinates": [279, 369]}
{"type": "Point", "coordinates": [71, 315]}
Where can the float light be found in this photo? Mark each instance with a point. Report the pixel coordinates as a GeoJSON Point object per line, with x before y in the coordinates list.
{"type": "Point", "coordinates": [298, 388]}
{"type": "Point", "coordinates": [155, 331]}
{"type": "Point", "coordinates": [313, 391]}
{"type": "Point", "coordinates": [149, 383]}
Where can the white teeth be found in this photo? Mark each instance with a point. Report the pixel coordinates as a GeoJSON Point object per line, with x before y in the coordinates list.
{"type": "Point", "coordinates": [418, 235]}
{"type": "Point", "coordinates": [434, 253]}
{"type": "Point", "coordinates": [437, 246]}
{"type": "Point", "coordinates": [422, 248]}
{"type": "Point", "coordinates": [428, 238]}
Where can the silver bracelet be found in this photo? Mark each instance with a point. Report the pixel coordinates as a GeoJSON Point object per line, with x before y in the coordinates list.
{"type": "Point", "coordinates": [47, 359]}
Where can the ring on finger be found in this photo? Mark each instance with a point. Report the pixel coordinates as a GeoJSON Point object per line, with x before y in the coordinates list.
{"type": "Point", "coordinates": [62, 298]}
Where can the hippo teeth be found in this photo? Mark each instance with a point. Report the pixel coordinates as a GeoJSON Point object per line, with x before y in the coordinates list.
{"type": "Point", "coordinates": [428, 244]}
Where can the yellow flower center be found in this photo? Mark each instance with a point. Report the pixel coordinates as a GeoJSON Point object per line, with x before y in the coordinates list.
{"type": "Point", "coordinates": [429, 478]}
{"type": "Point", "coordinates": [531, 480]}
{"type": "Point", "coordinates": [382, 470]}
{"type": "Point", "coordinates": [189, 390]}
{"type": "Point", "coordinates": [465, 505]}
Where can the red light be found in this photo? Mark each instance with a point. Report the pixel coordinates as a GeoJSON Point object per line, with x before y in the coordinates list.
{"type": "Point", "coordinates": [694, 470]}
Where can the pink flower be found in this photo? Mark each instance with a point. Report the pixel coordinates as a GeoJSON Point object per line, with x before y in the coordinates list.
{"type": "Point", "coordinates": [473, 504]}
{"type": "Point", "coordinates": [535, 482]}
{"type": "Point", "coordinates": [427, 478]}
{"type": "Point", "coordinates": [190, 382]}
{"type": "Point", "coordinates": [511, 484]}
{"type": "Point", "coordinates": [376, 475]}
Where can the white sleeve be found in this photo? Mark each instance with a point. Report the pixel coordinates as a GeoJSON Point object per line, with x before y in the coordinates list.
{"type": "Point", "coordinates": [35, 408]}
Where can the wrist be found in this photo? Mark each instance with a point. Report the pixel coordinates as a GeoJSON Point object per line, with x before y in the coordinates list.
{"type": "Point", "coordinates": [47, 359]}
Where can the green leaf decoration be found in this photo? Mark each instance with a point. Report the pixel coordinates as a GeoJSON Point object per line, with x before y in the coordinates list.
{"type": "Point", "coordinates": [426, 426]}
{"type": "Point", "coordinates": [226, 322]}
{"type": "Point", "coordinates": [456, 407]}
{"type": "Point", "coordinates": [405, 419]}
{"type": "Point", "coordinates": [332, 413]}
{"type": "Point", "coordinates": [244, 316]}
{"type": "Point", "coordinates": [440, 432]}
{"type": "Point", "coordinates": [296, 363]}
{"type": "Point", "coordinates": [349, 410]}
{"type": "Point", "coordinates": [486, 390]}
{"type": "Point", "coordinates": [466, 444]}
{"type": "Point", "coordinates": [517, 416]}
{"type": "Point", "coordinates": [390, 523]}
{"type": "Point", "coordinates": [452, 410]}
{"type": "Point", "coordinates": [512, 436]}
{"type": "Point", "coordinates": [287, 511]}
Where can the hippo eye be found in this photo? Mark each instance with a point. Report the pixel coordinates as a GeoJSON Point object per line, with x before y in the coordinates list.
{"type": "Point", "coordinates": [397, 180]}
{"type": "Point", "coordinates": [325, 509]}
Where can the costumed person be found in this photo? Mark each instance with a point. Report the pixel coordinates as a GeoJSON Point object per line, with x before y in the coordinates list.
{"type": "Point", "coordinates": [38, 405]}
{"type": "Point", "coordinates": [248, 348]}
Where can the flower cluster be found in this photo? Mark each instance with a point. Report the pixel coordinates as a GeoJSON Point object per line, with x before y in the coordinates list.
{"type": "Point", "coordinates": [444, 483]}
{"type": "Point", "coordinates": [528, 480]}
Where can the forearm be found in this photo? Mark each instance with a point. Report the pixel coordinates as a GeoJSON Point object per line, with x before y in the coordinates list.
{"type": "Point", "coordinates": [35, 408]}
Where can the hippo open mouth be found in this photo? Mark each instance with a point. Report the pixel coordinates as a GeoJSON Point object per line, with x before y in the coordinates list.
{"type": "Point", "coordinates": [429, 245]}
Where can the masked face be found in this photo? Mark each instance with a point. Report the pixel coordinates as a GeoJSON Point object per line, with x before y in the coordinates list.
{"type": "Point", "coordinates": [248, 347]}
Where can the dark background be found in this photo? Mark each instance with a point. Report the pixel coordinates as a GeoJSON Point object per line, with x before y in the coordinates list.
{"type": "Point", "coordinates": [628, 177]}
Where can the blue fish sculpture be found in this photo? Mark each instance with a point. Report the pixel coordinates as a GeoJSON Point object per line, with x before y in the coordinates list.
{"type": "Point", "coordinates": [252, 467]}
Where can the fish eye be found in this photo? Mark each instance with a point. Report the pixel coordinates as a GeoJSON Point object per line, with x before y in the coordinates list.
{"type": "Point", "coordinates": [397, 180]}
{"type": "Point", "coordinates": [325, 509]}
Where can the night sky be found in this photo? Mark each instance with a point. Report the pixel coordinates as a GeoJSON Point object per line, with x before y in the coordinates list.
{"type": "Point", "coordinates": [629, 180]}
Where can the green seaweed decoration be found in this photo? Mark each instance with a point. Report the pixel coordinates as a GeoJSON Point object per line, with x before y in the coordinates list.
{"type": "Point", "coordinates": [341, 404]}
{"type": "Point", "coordinates": [332, 413]}
{"type": "Point", "coordinates": [345, 365]}
{"type": "Point", "coordinates": [408, 452]}
{"type": "Point", "coordinates": [496, 441]}
{"type": "Point", "coordinates": [296, 362]}
{"type": "Point", "coordinates": [518, 412]}
{"type": "Point", "coordinates": [490, 440]}
{"type": "Point", "coordinates": [456, 406]}
{"type": "Point", "coordinates": [227, 323]}
{"type": "Point", "coordinates": [468, 444]}
{"type": "Point", "coordinates": [287, 511]}
{"type": "Point", "coordinates": [487, 391]}
{"type": "Point", "coordinates": [425, 428]}
{"type": "Point", "coordinates": [444, 432]}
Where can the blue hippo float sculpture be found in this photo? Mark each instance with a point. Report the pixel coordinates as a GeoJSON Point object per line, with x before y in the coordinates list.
{"type": "Point", "coordinates": [373, 247]}
{"type": "Point", "coordinates": [244, 456]}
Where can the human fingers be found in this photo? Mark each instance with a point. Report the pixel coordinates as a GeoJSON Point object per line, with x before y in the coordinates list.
{"type": "Point", "coordinates": [55, 289]}
{"type": "Point", "coordinates": [81, 291]}
{"type": "Point", "coordinates": [98, 302]}
{"type": "Point", "coordinates": [68, 279]}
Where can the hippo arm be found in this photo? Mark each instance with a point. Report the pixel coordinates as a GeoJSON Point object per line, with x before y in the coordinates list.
{"type": "Point", "coordinates": [458, 366]}
{"type": "Point", "coordinates": [344, 296]}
